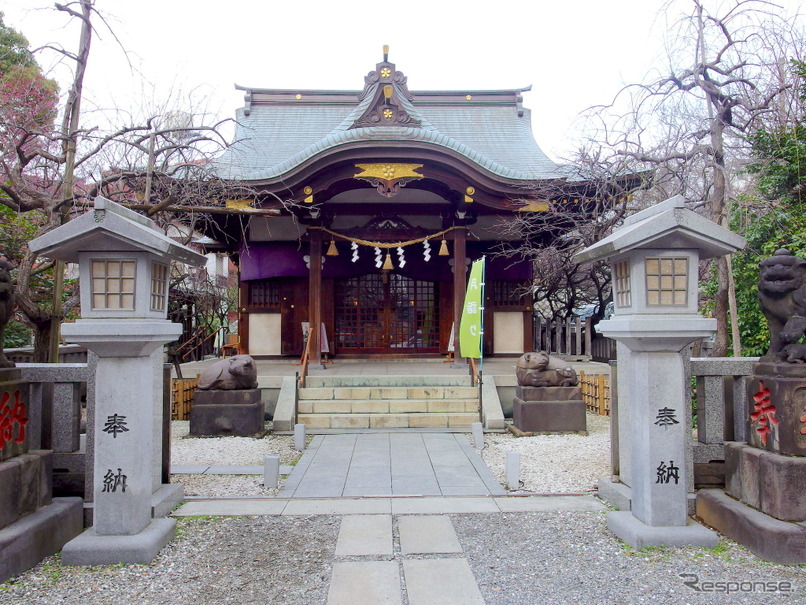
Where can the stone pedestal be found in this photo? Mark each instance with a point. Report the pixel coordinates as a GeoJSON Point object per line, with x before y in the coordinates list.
{"type": "Point", "coordinates": [777, 398]}
{"type": "Point", "coordinates": [33, 524]}
{"type": "Point", "coordinates": [127, 424]}
{"type": "Point", "coordinates": [549, 409]}
{"type": "Point", "coordinates": [227, 413]}
{"type": "Point", "coordinates": [763, 505]}
{"type": "Point", "coordinates": [660, 461]}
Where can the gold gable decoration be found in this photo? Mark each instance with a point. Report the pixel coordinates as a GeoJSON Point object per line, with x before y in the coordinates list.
{"type": "Point", "coordinates": [388, 178]}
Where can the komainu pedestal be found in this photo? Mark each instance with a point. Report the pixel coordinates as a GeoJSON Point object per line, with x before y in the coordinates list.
{"type": "Point", "coordinates": [764, 503]}
{"type": "Point", "coordinates": [549, 409]}
{"type": "Point", "coordinates": [33, 524]}
{"type": "Point", "coordinates": [226, 413]}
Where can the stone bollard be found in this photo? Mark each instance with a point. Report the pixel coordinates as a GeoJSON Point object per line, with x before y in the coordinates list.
{"type": "Point", "coordinates": [478, 435]}
{"type": "Point", "coordinates": [513, 469]}
{"type": "Point", "coordinates": [271, 472]}
{"type": "Point", "coordinates": [299, 437]}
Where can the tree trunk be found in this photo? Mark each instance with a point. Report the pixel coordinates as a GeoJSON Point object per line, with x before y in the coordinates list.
{"type": "Point", "coordinates": [721, 309]}
{"type": "Point", "coordinates": [42, 342]}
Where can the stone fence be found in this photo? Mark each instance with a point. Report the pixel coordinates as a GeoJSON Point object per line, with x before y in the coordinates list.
{"type": "Point", "coordinates": [721, 404]}
{"type": "Point", "coordinates": [55, 418]}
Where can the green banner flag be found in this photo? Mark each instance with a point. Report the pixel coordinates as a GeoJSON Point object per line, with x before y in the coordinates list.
{"type": "Point", "coordinates": [471, 325]}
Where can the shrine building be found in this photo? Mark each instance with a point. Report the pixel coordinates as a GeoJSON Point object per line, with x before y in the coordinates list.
{"type": "Point", "coordinates": [385, 196]}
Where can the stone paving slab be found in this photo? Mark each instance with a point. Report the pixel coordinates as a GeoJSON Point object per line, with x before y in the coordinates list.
{"type": "Point", "coordinates": [368, 506]}
{"type": "Point", "coordinates": [231, 507]}
{"type": "Point", "coordinates": [441, 582]}
{"type": "Point", "coordinates": [427, 535]}
{"type": "Point", "coordinates": [364, 535]}
{"type": "Point", "coordinates": [528, 504]}
{"type": "Point", "coordinates": [426, 506]}
{"type": "Point", "coordinates": [221, 469]}
{"type": "Point", "coordinates": [365, 583]}
{"type": "Point", "coordinates": [384, 506]}
{"type": "Point", "coordinates": [390, 464]}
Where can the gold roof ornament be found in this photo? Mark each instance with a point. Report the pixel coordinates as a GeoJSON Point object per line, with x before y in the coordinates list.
{"type": "Point", "coordinates": [388, 178]}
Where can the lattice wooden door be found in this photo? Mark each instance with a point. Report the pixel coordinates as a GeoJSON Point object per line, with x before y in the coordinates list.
{"type": "Point", "coordinates": [386, 314]}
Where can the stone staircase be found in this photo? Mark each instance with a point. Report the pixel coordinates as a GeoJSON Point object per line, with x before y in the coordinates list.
{"type": "Point", "coordinates": [388, 402]}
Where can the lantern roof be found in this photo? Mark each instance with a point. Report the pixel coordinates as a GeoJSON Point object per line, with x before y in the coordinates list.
{"type": "Point", "coordinates": [667, 225]}
{"type": "Point", "coordinates": [113, 228]}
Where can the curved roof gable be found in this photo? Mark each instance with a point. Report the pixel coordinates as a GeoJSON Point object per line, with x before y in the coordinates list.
{"type": "Point", "coordinates": [279, 130]}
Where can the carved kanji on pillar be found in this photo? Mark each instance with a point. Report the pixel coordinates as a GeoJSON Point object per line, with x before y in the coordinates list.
{"type": "Point", "coordinates": [763, 412]}
{"type": "Point", "coordinates": [12, 419]}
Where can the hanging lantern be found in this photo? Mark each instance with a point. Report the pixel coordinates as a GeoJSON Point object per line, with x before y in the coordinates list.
{"type": "Point", "coordinates": [443, 248]}
{"type": "Point", "coordinates": [332, 250]}
{"type": "Point", "coordinates": [387, 264]}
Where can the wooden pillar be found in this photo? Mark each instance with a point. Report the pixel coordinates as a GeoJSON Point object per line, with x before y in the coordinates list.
{"type": "Point", "coordinates": [459, 280]}
{"type": "Point", "coordinates": [315, 298]}
{"type": "Point", "coordinates": [243, 317]}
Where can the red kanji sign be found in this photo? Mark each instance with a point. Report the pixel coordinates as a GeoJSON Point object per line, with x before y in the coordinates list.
{"type": "Point", "coordinates": [12, 418]}
{"type": "Point", "coordinates": [764, 412]}
{"type": "Point", "coordinates": [803, 420]}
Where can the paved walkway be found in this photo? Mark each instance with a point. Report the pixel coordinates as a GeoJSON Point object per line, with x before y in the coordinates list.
{"type": "Point", "coordinates": [390, 464]}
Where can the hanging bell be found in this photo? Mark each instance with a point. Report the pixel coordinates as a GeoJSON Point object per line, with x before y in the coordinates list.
{"type": "Point", "coordinates": [387, 264]}
{"type": "Point", "coordinates": [443, 248]}
{"type": "Point", "coordinates": [331, 249]}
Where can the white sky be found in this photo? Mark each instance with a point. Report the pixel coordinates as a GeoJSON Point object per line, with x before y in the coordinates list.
{"type": "Point", "coordinates": [574, 54]}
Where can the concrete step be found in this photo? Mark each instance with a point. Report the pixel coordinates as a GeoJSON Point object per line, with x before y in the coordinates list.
{"type": "Point", "coordinates": [389, 393]}
{"type": "Point", "coordinates": [387, 406]}
{"type": "Point", "coordinates": [387, 421]}
{"type": "Point", "coordinates": [388, 381]}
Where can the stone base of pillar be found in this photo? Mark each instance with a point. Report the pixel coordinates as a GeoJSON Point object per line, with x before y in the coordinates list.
{"type": "Point", "coordinates": [26, 542]}
{"type": "Point", "coordinates": [619, 495]}
{"type": "Point", "coordinates": [91, 549]}
{"type": "Point", "coordinates": [549, 416]}
{"type": "Point", "coordinates": [166, 499]}
{"type": "Point", "coordinates": [639, 535]}
{"type": "Point", "coordinates": [615, 493]}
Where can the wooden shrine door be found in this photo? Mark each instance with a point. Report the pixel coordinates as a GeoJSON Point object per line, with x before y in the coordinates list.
{"type": "Point", "coordinates": [386, 314]}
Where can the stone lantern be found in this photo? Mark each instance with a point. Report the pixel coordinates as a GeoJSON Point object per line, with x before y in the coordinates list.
{"type": "Point", "coordinates": [654, 260]}
{"type": "Point", "coordinates": [124, 266]}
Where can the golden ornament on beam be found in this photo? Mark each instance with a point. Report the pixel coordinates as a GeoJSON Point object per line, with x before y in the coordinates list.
{"type": "Point", "coordinates": [332, 250]}
{"type": "Point", "coordinates": [387, 264]}
{"type": "Point", "coordinates": [443, 248]}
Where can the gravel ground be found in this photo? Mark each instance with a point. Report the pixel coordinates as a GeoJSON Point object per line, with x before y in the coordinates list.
{"type": "Point", "coordinates": [230, 451]}
{"type": "Point", "coordinates": [560, 558]}
{"type": "Point", "coordinates": [214, 560]}
{"type": "Point", "coordinates": [554, 464]}
{"type": "Point", "coordinates": [523, 558]}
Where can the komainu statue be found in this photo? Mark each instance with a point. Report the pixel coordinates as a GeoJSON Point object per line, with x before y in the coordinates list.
{"type": "Point", "coordinates": [6, 306]}
{"type": "Point", "coordinates": [233, 373]}
{"type": "Point", "coordinates": [782, 293]}
{"type": "Point", "coordinates": [542, 370]}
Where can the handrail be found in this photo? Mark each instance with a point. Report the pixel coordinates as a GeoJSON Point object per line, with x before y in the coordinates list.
{"type": "Point", "coordinates": [200, 342]}
{"type": "Point", "coordinates": [304, 371]}
{"type": "Point", "coordinates": [474, 373]}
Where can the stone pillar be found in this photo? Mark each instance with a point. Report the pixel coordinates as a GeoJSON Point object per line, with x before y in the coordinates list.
{"type": "Point", "coordinates": [659, 440]}
{"type": "Point", "coordinates": [127, 452]}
